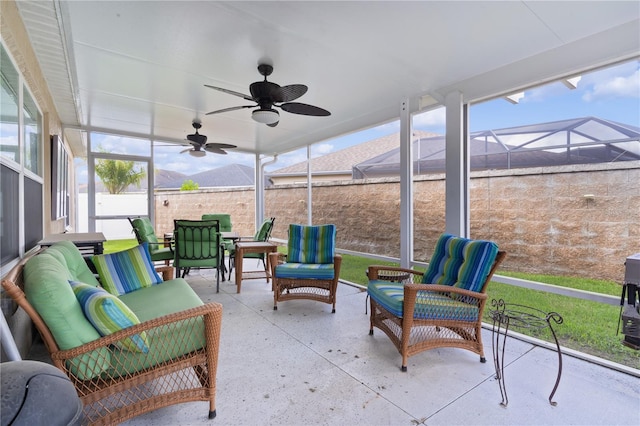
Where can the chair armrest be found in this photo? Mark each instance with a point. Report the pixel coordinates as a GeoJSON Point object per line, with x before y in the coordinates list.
{"type": "Point", "coordinates": [162, 243]}
{"type": "Point", "coordinates": [277, 259]}
{"type": "Point", "coordinates": [211, 314]}
{"type": "Point", "coordinates": [393, 273]}
{"type": "Point", "coordinates": [413, 292]}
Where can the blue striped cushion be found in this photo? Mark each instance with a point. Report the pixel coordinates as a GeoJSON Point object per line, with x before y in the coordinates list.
{"type": "Point", "coordinates": [109, 314]}
{"type": "Point", "coordinates": [461, 262]}
{"type": "Point", "coordinates": [127, 270]}
{"type": "Point", "coordinates": [320, 271]}
{"type": "Point", "coordinates": [311, 244]}
{"type": "Point", "coordinates": [390, 296]}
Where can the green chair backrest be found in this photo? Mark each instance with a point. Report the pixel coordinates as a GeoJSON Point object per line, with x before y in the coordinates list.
{"type": "Point", "coordinates": [264, 233]}
{"type": "Point", "coordinates": [197, 243]}
{"type": "Point", "coordinates": [223, 218]}
{"type": "Point", "coordinates": [144, 230]}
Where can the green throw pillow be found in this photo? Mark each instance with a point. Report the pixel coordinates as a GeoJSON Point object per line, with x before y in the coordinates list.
{"type": "Point", "coordinates": [109, 314]}
{"type": "Point", "coordinates": [127, 270]}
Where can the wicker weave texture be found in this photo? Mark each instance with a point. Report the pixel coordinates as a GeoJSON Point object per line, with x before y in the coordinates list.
{"type": "Point", "coordinates": [428, 326]}
{"type": "Point", "coordinates": [115, 385]}
{"type": "Point", "coordinates": [311, 289]}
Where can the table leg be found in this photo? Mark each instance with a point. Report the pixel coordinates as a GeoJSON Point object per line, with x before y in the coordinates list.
{"type": "Point", "coordinates": [238, 266]}
{"type": "Point", "coordinates": [267, 266]}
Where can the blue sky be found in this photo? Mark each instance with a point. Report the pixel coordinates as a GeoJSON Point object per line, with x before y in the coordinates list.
{"type": "Point", "coordinates": [612, 93]}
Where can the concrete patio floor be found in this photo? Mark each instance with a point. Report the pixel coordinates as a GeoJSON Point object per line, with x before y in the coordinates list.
{"type": "Point", "coordinates": [302, 365]}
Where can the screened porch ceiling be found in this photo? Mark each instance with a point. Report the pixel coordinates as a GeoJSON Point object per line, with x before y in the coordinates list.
{"type": "Point", "coordinates": [138, 68]}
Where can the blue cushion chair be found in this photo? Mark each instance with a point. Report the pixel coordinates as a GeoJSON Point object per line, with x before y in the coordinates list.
{"type": "Point", "coordinates": [442, 307]}
{"type": "Point", "coordinates": [311, 267]}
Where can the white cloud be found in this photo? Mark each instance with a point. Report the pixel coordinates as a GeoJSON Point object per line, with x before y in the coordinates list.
{"type": "Point", "coordinates": [322, 149]}
{"type": "Point", "coordinates": [388, 128]}
{"type": "Point", "coordinates": [616, 86]}
{"type": "Point", "coordinates": [544, 93]}
{"type": "Point", "coordinates": [436, 117]}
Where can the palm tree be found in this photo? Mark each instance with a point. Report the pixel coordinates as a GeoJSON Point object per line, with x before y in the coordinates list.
{"type": "Point", "coordinates": [117, 175]}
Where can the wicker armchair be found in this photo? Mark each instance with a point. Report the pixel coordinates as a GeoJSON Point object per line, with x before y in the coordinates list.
{"type": "Point", "coordinates": [311, 268]}
{"type": "Point", "coordinates": [442, 307]}
{"type": "Point", "coordinates": [114, 384]}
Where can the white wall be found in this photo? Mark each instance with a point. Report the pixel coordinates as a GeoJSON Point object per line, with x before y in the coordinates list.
{"type": "Point", "coordinates": [129, 204]}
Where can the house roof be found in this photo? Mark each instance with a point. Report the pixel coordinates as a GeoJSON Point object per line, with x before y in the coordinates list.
{"type": "Point", "coordinates": [344, 159]}
{"type": "Point", "coordinates": [229, 175]}
{"type": "Point", "coordinates": [573, 141]}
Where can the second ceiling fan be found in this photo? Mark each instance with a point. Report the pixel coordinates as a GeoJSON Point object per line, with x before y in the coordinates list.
{"type": "Point", "coordinates": [199, 144]}
{"type": "Point", "coordinates": [267, 95]}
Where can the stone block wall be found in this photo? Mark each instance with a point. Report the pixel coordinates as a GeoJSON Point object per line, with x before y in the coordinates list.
{"type": "Point", "coordinates": [540, 216]}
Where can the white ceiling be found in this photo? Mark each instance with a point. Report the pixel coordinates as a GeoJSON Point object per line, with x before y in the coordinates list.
{"type": "Point", "coordinates": [139, 67]}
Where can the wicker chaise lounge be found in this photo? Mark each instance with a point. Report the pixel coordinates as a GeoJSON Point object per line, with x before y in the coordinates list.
{"type": "Point", "coordinates": [115, 383]}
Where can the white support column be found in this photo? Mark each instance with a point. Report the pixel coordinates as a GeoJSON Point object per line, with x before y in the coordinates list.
{"type": "Point", "coordinates": [406, 185]}
{"type": "Point", "coordinates": [259, 191]}
{"type": "Point", "coordinates": [457, 167]}
{"type": "Point", "coordinates": [91, 188]}
{"type": "Point", "coordinates": [309, 194]}
{"type": "Point", "coordinates": [259, 187]}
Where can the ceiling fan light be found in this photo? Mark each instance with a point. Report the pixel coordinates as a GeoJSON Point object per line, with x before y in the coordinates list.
{"type": "Point", "coordinates": [265, 116]}
{"type": "Point", "coordinates": [195, 153]}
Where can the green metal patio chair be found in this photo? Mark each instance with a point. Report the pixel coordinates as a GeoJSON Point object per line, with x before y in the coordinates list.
{"type": "Point", "coordinates": [263, 234]}
{"type": "Point", "coordinates": [225, 226]}
{"type": "Point", "coordinates": [159, 249]}
{"type": "Point", "coordinates": [197, 245]}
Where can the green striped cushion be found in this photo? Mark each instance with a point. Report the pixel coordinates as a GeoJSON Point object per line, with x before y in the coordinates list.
{"type": "Point", "coordinates": [109, 314]}
{"type": "Point", "coordinates": [461, 262]}
{"type": "Point", "coordinates": [127, 270]}
{"type": "Point", "coordinates": [311, 244]}
{"type": "Point", "coordinates": [319, 271]}
{"type": "Point", "coordinates": [390, 295]}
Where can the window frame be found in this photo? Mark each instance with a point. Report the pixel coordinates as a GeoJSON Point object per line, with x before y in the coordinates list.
{"type": "Point", "coordinates": [26, 177]}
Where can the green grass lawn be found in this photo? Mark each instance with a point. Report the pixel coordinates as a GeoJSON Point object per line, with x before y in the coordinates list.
{"type": "Point", "coordinates": [589, 327]}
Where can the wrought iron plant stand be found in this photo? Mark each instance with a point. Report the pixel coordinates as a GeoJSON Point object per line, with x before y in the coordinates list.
{"type": "Point", "coordinates": [511, 315]}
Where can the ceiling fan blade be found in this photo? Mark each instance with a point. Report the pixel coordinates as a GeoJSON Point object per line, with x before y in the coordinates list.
{"type": "Point", "coordinates": [304, 109]}
{"type": "Point", "coordinates": [231, 109]}
{"type": "Point", "coordinates": [215, 150]}
{"type": "Point", "coordinates": [220, 145]}
{"type": "Point", "coordinates": [185, 150]}
{"type": "Point", "coordinates": [291, 92]}
{"type": "Point", "coordinates": [273, 124]}
{"type": "Point", "coordinates": [231, 92]}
